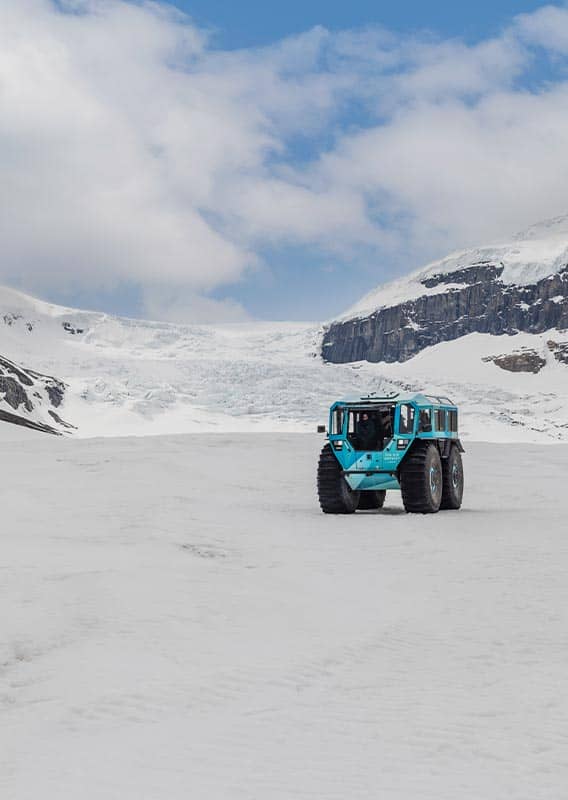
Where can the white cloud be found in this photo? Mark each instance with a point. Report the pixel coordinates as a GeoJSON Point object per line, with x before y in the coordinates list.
{"type": "Point", "coordinates": [466, 172]}
{"type": "Point", "coordinates": [131, 151]}
{"type": "Point", "coordinates": [121, 138]}
{"type": "Point", "coordinates": [547, 28]}
{"type": "Point", "coordinates": [162, 303]}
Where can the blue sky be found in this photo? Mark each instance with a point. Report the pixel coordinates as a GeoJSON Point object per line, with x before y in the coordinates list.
{"type": "Point", "coordinates": [249, 23]}
{"type": "Point", "coordinates": [226, 161]}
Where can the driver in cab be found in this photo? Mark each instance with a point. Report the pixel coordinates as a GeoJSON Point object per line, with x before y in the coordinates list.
{"type": "Point", "coordinates": [366, 432]}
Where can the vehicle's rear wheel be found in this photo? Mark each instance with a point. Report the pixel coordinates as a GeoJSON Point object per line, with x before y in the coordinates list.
{"type": "Point", "coordinates": [452, 480]}
{"type": "Point", "coordinates": [371, 500]}
{"type": "Point", "coordinates": [334, 494]}
{"type": "Point", "coordinates": [421, 479]}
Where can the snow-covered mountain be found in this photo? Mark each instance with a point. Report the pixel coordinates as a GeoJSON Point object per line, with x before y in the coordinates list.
{"type": "Point", "coordinates": [439, 329]}
{"type": "Point", "coordinates": [519, 286]}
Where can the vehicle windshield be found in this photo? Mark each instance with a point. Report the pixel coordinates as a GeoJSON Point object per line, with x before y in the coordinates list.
{"type": "Point", "coordinates": [370, 428]}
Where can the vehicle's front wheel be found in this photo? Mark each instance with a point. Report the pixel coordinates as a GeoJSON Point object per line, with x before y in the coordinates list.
{"type": "Point", "coordinates": [452, 480]}
{"type": "Point", "coordinates": [421, 479]}
{"type": "Point", "coordinates": [334, 494]}
{"type": "Point", "coordinates": [371, 500]}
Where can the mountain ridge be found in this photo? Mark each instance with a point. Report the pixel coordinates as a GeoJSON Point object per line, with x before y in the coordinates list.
{"type": "Point", "coordinates": [529, 256]}
{"type": "Point", "coordinates": [500, 290]}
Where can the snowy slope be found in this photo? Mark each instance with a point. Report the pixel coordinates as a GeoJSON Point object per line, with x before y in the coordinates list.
{"type": "Point", "coordinates": [134, 377]}
{"type": "Point", "coordinates": [177, 641]}
{"type": "Point", "coordinates": [531, 255]}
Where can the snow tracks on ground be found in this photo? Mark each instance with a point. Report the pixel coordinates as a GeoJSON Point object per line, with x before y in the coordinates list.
{"type": "Point", "coordinates": [179, 620]}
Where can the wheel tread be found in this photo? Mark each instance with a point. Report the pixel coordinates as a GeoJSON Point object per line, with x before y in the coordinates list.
{"type": "Point", "coordinates": [449, 500]}
{"type": "Point", "coordinates": [413, 484]}
{"type": "Point", "coordinates": [329, 486]}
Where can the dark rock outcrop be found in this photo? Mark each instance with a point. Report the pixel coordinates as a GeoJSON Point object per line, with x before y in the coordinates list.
{"type": "Point", "coordinates": [10, 319]}
{"type": "Point", "coordinates": [526, 360]}
{"type": "Point", "coordinates": [14, 393]}
{"type": "Point", "coordinates": [559, 350]}
{"type": "Point", "coordinates": [68, 328]}
{"type": "Point", "coordinates": [55, 391]}
{"type": "Point", "coordinates": [14, 419]}
{"type": "Point", "coordinates": [27, 398]}
{"type": "Point", "coordinates": [481, 303]}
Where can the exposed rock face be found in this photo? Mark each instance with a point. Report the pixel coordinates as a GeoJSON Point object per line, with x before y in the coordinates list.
{"type": "Point", "coordinates": [14, 394]}
{"type": "Point", "coordinates": [27, 398]}
{"type": "Point", "coordinates": [68, 328]}
{"type": "Point", "coordinates": [559, 350]}
{"type": "Point", "coordinates": [526, 360]}
{"type": "Point", "coordinates": [481, 303]}
{"type": "Point", "coordinates": [10, 319]}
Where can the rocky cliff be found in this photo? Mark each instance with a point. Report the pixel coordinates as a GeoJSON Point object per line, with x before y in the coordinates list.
{"type": "Point", "coordinates": [472, 299]}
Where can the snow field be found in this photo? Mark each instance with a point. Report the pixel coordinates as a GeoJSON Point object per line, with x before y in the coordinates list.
{"type": "Point", "coordinates": [179, 620]}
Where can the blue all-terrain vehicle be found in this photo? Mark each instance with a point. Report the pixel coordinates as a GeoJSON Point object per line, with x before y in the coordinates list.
{"type": "Point", "coordinates": [409, 443]}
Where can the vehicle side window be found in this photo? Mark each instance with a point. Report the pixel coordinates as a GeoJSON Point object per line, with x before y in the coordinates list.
{"type": "Point", "coordinates": [406, 424]}
{"type": "Point", "coordinates": [425, 418]}
{"type": "Point", "coordinates": [440, 417]}
{"type": "Point", "coordinates": [337, 426]}
{"type": "Point", "coordinates": [352, 423]}
{"type": "Point", "coordinates": [453, 421]}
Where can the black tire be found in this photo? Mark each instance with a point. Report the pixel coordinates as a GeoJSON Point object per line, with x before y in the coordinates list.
{"type": "Point", "coordinates": [371, 500]}
{"type": "Point", "coordinates": [452, 480]}
{"type": "Point", "coordinates": [334, 494]}
{"type": "Point", "coordinates": [421, 479]}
